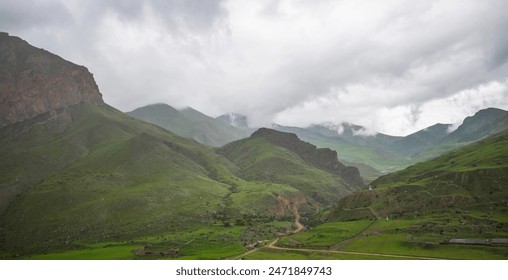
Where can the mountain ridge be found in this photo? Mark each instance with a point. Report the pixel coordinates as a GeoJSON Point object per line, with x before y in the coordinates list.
{"type": "Point", "coordinates": [324, 158]}
{"type": "Point", "coordinates": [270, 155]}
{"type": "Point", "coordinates": [190, 123]}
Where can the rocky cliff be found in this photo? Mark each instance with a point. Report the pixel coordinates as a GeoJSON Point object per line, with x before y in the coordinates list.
{"type": "Point", "coordinates": [34, 82]}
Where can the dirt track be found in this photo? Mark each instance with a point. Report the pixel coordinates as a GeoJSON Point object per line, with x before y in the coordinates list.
{"type": "Point", "coordinates": [300, 227]}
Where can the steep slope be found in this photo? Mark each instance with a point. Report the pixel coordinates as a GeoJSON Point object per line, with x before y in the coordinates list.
{"type": "Point", "coordinates": [34, 81]}
{"type": "Point", "coordinates": [190, 123]}
{"type": "Point", "coordinates": [471, 178]}
{"type": "Point", "coordinates": [273, 156]}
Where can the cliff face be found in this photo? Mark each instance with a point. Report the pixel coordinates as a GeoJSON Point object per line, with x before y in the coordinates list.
{"type": "Point", "coordinates": [323, 158]}
{"type": "Point", "coordinates": [34, 81]}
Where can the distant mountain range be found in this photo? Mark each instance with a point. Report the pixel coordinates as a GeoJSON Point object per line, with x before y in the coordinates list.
{"type": "Point", "coordinates": [192, 124]}
{"type": "Point", "coordinates": [373, 153]}
{"type": "Point", "coordinates": [389, 153]}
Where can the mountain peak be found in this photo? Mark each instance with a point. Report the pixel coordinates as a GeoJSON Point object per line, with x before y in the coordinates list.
{"type": "Point", "coordinates": [268, 132]}
{"type": "Point", "coordinates": [483, 123]}
{"type": "Point", "coordinates": [34, 81]}
{"type": "Point", "coordinates": [324, 158]}
{"type": "Point", "coordinates": [491, 110]}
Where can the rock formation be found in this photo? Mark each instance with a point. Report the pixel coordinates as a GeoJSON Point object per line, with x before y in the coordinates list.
{"type": "Point", "coordinates": [34, 81]}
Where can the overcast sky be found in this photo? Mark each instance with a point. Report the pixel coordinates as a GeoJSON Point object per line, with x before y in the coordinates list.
{"type": "Point", "coordinates": [392, 66]}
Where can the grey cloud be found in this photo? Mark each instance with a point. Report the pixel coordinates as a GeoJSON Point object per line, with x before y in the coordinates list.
{"type": "Point", "coordinates": [17, 16]}
{"type": "Point", "coordinates": [452, 41]}
{"type": "Point", "coordinates": [178, 15]}
{"type": "Point", "coordinates": [272, 58]}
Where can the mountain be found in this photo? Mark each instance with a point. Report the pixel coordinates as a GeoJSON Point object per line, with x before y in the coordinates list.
{"type": "Point", "coordinates": [190, 123]}
{"type": "Point", "coordinates": [473, 178]}
{"type": "Point", "coordinates": [373, 153]}
{"type": "Point", "coordinates": [379, 153]}
{"type": "Point", "coordinates": [234, 119]}
{"type": "Point", "coordinates": [420, 141]}
{"type": "Point", "coordinates": [354, 134]}
{"type": "Point", "coordinates": [484, 123]}
{"type": "Point", "coordinates": [273, 156]}
{"type": "Point", "coordinates": [34, 82]}
{"type": "Point", "coordinates": [377, 159]}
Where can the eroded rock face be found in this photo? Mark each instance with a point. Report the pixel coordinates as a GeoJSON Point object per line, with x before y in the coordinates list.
{"type": "Point", "coordinates": [34, 81]}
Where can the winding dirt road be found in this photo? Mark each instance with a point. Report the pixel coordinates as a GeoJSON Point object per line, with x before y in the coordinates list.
{"type": "Point", "coordinates": [300, 227]}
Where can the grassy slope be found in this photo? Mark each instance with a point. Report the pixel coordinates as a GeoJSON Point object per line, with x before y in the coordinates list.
{"type": "Point", "coordinates": [110, 177]}
{"type": "Point", "coordinates": [472, 177]}
{"type": "Point", "coordinates": [461, 194]}
{"type": "Point", "coordinates": [259, 160]}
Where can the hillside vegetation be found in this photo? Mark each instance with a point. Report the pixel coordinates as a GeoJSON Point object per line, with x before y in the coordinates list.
{"type": "Point", "coordinates": [94, 173]}
{"type": "Point", "coordinates": [272, 156]}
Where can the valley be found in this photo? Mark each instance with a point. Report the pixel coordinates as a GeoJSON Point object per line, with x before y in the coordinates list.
{"type": "Point", "coordinates": [80, 179]}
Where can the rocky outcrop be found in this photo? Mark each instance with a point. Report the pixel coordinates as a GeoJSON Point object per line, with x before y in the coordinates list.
{"type": "Point", "coordinates": [322, 158]}
{"type": "Point", "coordinates": [34, 82]}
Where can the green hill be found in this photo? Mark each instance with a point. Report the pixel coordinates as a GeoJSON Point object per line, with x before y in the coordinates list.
{"type": "Point", "coordinates": [107, 176]}
{"type": "Point", "coordinates": [191, 124]}
{"type": "Point", "coordinates": [471, 179]}
{"type": "Point", "coordinates": [272, 156]}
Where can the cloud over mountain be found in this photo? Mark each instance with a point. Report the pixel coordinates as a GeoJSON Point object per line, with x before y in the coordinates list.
{"type": "Point", "coordinates": [393, 66]}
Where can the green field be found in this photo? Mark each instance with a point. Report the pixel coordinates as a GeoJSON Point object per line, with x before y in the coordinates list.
{"type": "Point", "coordinates": [270, 254]}
{"type": "Point", "coordinates": [325, 235]}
